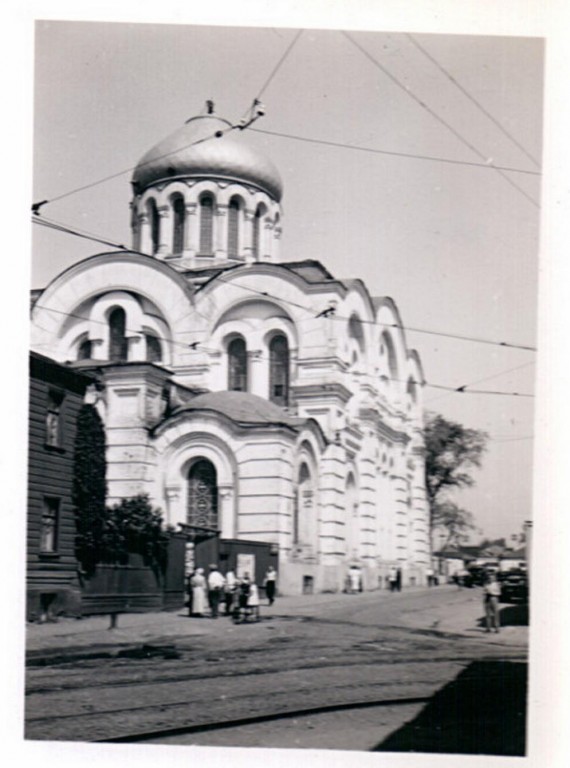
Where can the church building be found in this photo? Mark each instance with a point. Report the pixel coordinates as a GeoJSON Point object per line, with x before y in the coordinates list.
{"type": "Point", "coordinates": [251, 397]}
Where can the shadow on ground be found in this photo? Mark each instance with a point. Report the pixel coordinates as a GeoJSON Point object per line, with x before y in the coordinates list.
{"type": "Point", "coordinates": [482, 711]}
{"type": "Point", "coordinates": [510, 616]}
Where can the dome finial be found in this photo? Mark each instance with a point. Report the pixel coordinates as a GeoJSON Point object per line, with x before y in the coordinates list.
{"type": "Point", "coordinates": [209, 107]}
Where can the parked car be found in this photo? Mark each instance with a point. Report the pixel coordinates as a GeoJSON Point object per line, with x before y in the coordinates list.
{"type": "Point", "coordinates": [514, 586]}
{"type": "Point", "coordinates": [472, 576]}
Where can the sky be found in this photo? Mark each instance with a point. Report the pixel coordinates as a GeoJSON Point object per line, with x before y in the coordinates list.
{"type": "Point", "coordinates": [454, 244]}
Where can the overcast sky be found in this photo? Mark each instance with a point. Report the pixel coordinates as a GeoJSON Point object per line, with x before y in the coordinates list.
{"type": "Point", "coordinates": [455, 245]}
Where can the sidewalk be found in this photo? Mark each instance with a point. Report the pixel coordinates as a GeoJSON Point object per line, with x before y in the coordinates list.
{"type": "Point", "coordinates": [92, 636]}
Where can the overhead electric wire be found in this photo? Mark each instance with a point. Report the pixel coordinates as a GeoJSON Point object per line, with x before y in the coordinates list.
{"type": "Point", "coordinates": [434, 114]}
{"type": "Point", "coordinates": [472, 99]}
{"type": "Point", "coordinates": [216, 135]}
{"type": "Point", "coordinates": [198, 348]}
{"type": "Point", "coordinates": [75, 233]}
{"type": "Point", "coordinates": [279, 64]}
{"type": "Point", "coordinates": [410, 155]}
{"type": "Point", "coordinates": [405, 328]}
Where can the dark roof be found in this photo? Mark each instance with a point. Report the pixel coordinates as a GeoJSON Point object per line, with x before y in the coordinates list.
{"type": "Point", "coordinates": [43, 368]}
{"type": "Point", "coordinates": [309, 269]}
{"type": "Point", "coordinates": [242, 408]}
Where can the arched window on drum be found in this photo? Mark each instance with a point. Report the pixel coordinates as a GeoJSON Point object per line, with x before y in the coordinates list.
{"type": "Point", "coordinates": [279, 370]}
{"type": "Point", "coordinates": [206, 225]}
{"type": "Point", "coordinates": [237, 365]}
{"type": "Point", "coordinates": [257, 231]}
{"type": "Point", "coordinates": [203, 495]}
{"type": "Point", "coordinates": [233, 228]}
{"type": "Point", "coordinates": [179, 216]}
{"type": "Point", "coordinates": [154, 220]}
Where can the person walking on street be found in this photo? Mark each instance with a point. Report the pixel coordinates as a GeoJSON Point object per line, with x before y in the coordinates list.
{"type": "Point", "coordinates": [215, 589]}
{"type": "Point", "coordinates": [198, 583]}
{"type": "Point", "coordinates": [399, 579]}
{"type": "Point", "coordinates": [190, 592]}
{"type": "Point", "coordinates": [270, 583]}
{"type": "Point", "coordinates": [229, 591]}
{"type": "Point", "coordinates": [392, 579]}
{"type": "Point", "coordinates": [491, 594]}
{"type": "Point", "coordinates": [354, 576]}
{"type": "Point", "coordinates": [253, 601]}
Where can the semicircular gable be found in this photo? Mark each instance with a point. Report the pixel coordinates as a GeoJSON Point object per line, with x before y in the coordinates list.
{"type": "Point", "coordinates": [105, 273]}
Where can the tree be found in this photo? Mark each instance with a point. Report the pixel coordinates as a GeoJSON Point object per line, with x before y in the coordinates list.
{"type": "Point", "coordinates": [89, 487]}
{"type": "Point", "coordinates": [456, 522]}
{"type": "Point", "coordinates": [451, 450]}
{"type": "Point", "coordinates": [134, 527]}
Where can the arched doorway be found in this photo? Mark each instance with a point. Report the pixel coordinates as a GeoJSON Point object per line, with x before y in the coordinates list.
{"type": "Point", "coordinates": [203, 495]}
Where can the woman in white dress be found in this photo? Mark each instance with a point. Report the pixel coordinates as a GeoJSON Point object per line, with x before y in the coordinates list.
{"type": "Point", "coordinates": [198, 583]}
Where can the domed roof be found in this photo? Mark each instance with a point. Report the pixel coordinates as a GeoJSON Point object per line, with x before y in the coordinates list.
{"type": "Point", "coordinates": [242, 407]}
{"type": "Point", "coordinates": [195, 151]}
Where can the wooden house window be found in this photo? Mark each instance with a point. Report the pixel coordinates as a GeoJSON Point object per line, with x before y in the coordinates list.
{"type": "Point", "coordinates": [53, 418]}
{"type": "Point", "coordinates": [49, 525]}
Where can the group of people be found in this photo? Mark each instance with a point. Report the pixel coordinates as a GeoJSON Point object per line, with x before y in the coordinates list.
{"type": "Point", "coordinates": [239, 596]}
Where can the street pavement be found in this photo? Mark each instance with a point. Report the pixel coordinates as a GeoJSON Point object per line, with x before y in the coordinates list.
{"type": "Point", "coordinates": [459, 613]}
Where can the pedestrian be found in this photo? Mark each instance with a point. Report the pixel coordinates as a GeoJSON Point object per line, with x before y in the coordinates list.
{"type": "Point", "coordinates": [491, 594]}
{"type": "Point", "coordinates": [253, 601]}
{"type": "Point", "coordinates": [270, 584]}
{"type": "Point", "coordinates": [216, 584]}
{"type": "Point", "coordinates": [429, 577]}
{"type": "Point", "coordinates": [392, 579]}
{"type": "Point", "coordinates": [190, 592]}
{"type": "Point", "coordinates": [243, 590]}
{"type": "Point", "coordinates": [399, 579]}
{"type": "Point", "coordinates": [354, 575]}
{"type": "Point", "coordinates": [198, 583]}
{"type": "Point", "coordinates": [229, 591]}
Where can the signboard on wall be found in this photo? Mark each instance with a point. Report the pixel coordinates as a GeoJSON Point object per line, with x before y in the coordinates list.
{"type": "Point", "coordinates": [245, 564]}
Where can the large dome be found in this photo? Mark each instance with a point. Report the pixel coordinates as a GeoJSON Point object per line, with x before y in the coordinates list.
{"type": "Point", "coordinates": [194, 151]}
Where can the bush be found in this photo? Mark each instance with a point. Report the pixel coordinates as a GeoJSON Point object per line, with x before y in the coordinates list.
{"type": "Point", "coordinates": [134, 527]}
{"type": "Point", "coordinates": [89, 490]}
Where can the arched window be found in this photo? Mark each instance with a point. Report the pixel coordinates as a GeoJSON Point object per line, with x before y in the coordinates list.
{"type": "Point", "coordinates": [388, 346]}
{"type": "Point", "coordinates": [237, 366]}
{"type": "Point", "coordinates": [118, 343]}
{"type": "Point", "coordinates": [233, 228]}
{"type": "Point", "coordinates": [257, 219]}
{"type": "Point", "coordinates": [206, 225]}
{"type": "Point", "coordinates": [154, 225]}
{"type": "Point", "coordinates": [303, 500]}
{"type": "Point", "coordinates": [179, 211]}
{"type": "Point", "coordinates": [279, 370]}
{"type": "Point", "coordinates": [153, 350]}
{"type": "Point", "coordinates": [355, 331]}
{"type": "Point", "coordinates": [84, 350]}
{"type": "Point", "coordinates": [203, 495]}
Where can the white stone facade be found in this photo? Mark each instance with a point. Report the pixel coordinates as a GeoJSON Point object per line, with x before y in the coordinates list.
{"type": "Point", "coordinates": [317, 448]}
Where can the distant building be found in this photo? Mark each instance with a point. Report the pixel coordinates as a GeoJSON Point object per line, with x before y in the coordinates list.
{"type": "Point", "coordinates": [250, 397]}
{"type": "Point", "coordinates": [56, 395]}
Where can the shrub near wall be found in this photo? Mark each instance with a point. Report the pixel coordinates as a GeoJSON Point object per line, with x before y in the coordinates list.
{"type": "Point", "coordinates": [130, 574]}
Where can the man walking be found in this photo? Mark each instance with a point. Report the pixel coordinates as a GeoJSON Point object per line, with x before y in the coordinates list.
{"type": "Point", "coordinates": [215, 589]}
{"type": "Point", "coordinates": [269, 582]}
{"type": "Point", "coordinates": [491, 594]}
